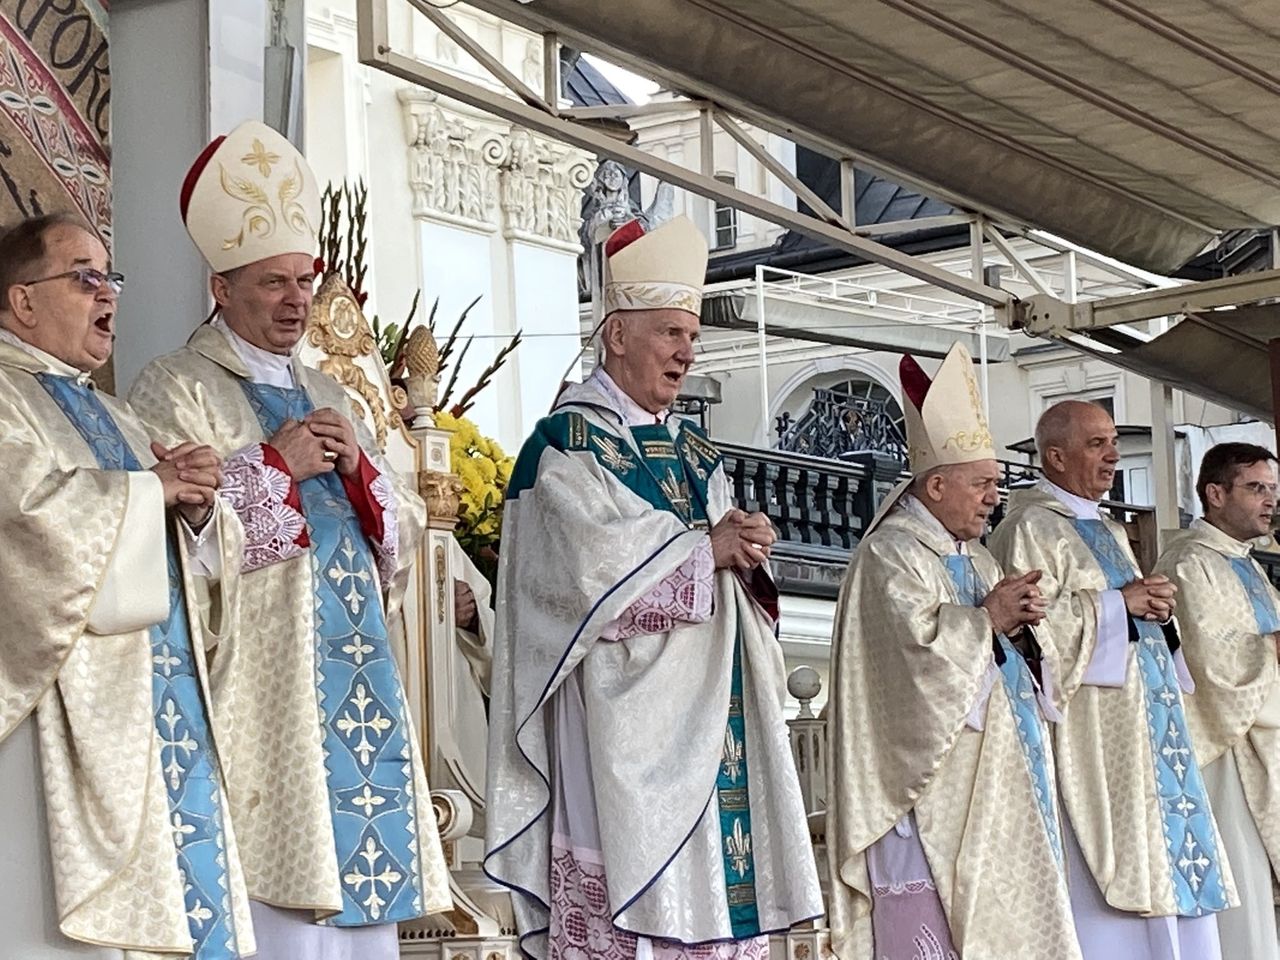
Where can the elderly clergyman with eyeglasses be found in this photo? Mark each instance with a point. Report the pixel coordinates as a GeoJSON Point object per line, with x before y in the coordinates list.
{"type": "Point", "coordinates": [105, 622]}
{"type": "Point", "coordinates": [1229, 615]}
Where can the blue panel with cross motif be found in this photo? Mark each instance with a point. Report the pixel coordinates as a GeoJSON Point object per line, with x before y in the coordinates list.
{"type": "Point", "coordinates": [1190, 838]}
{"type": "Point", "coordinates": [368, 764]}
{"type": "Point", "coordinates": [187, 758]}
{"type": "Point", "coordinates": [1020, 687]}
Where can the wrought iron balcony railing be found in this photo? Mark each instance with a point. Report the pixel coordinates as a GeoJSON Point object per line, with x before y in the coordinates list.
{"type": "Point", "coordinates": [838, 424]}
{"type": "Point", "coordinates": [822, 507]}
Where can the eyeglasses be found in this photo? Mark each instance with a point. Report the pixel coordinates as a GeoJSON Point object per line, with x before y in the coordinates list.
{"type": "Point", "coordinates": [1258, 489]}
{"type": "Point", "coordinates": [90, 280]}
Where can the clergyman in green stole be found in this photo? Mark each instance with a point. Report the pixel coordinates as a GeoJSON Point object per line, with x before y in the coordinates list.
{"type": "Point", "coordinates": [642, 795]}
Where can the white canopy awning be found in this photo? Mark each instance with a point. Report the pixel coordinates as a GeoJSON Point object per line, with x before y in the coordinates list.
{"type": "Point", "coordinates": [1137, 130]}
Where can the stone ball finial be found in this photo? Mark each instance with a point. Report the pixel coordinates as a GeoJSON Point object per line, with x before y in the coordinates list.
{"type": "Point", "coordinates": [804, 683]}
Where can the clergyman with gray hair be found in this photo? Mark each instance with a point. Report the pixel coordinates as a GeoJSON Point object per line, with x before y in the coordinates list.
{"type": "Point", "coordinates": [940, 813]}
{"type": "Point", "coordinates": [1143, 851]}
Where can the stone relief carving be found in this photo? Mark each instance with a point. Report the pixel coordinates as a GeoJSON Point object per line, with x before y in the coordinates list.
{"type": "Point", "coordinates": [541, 186]}
{"type": "Point", "coordinates": [463, 169]}
{"type": "Point", "coordinates": [453, 165]}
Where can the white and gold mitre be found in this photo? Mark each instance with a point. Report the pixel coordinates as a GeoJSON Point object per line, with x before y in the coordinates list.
{"type": "Point", "coordinates": [665, 267]}
{"type": "Point", "coordinates": [945, 422]}
{"type": "Point", "coordinates": [250, 195]}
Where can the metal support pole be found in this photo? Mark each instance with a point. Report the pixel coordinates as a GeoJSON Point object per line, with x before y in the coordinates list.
{"type": "Point", "coordinates": [1163, 459]}
{"type": "Point", "coordinates": [1273, 348]}
{"type": "Point", "coordinates": [848, 193]}
{"type": "Point", "coordinates": [551, 69]}
{"type": "Point", "coordinates": [764, 359]}
{"type": "Point", "coordinates": [1070, 277]}
{"type": "Point", "coordinates": [975, 272]}
{"type": "Point", "coordinates": [707, 165]}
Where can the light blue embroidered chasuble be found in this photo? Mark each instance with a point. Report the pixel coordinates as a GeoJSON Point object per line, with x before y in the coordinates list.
{"type": "Point", "coordinates": [1258, 590]}
{"type": "Point", "coordinates": [1020, 686]}
{"type": "Point", "coordinates": [671, 472]}
{"type": "Point", "coordinates": [187, 757]}
{"type": "Point", "coordinates": [367, 759]}
{"type": "Point", "coordinates": [1192, 845]}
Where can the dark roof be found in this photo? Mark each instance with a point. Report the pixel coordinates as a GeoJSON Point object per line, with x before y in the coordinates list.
{"type": "Point", "coordinates": [1236, 252]}
{"type": "Point", "coordinates": [876, 200]}
{"type": "Point", "coordinates": [584, 84]}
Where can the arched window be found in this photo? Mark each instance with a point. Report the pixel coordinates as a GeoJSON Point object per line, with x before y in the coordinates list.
{"type": "Point", "coordinates": [850, 416]}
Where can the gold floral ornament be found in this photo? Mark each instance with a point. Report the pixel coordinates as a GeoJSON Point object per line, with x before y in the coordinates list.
{"type": "Point", "coordinates": [337, 327]}
{"type": "Point", "coordinates": [260, 157]}
{"type": "Point", "coordinates": [257, 217]}
{"type": "Point", "coordinates": [249, 196]}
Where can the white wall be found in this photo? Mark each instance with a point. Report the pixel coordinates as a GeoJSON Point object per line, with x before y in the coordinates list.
{"type": "Point", "coordinates": [155, 44]}
{"type": "Point", "coordinates": [179, 69]}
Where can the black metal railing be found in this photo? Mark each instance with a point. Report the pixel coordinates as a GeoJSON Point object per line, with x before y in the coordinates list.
{"type": "Point", "coordinates": [838, 424]}
{"type": "Point", "coordinates": [822, 507]}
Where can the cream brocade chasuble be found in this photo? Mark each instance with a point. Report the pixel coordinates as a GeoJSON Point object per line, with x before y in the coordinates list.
{"type": "Point", "coordinates": [1228, 614]}
{"type": "Point", "coordinates": [1127, 772]}
{"type": "Point", "coordinates": [908, 666]}
{"type": "Point", "coordinates": [693, 788]}
{"type": "Point", "coordinates": [110, 827]}
{"type": "Point", "coordinates": [268, 691]}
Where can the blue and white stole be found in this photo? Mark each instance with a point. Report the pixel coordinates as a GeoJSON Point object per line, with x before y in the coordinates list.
{"type": "Point", "coordinates": [368, 765]}
{"type": "Point", "coordinates": [187, 757]}
{"type": "Point", "coordinates": [1258, 590]}
{"type": "Point", "coordinates": [1194, 858]}
{"type": "Point", "coordinates": [1020, 686]}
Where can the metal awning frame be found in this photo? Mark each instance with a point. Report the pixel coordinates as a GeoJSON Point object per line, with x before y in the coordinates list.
{"type": "Point", "coordinates": [540, 111]}
{"type": "Point", "coordinates": [1042, 314]}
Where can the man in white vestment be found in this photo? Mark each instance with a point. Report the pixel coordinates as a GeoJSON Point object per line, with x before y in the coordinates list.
{"type": "Point", "coordinates": [1229, 621]}
{"type": "Point", "coordinates": [118, 842]}
{"type": "Point", "coordinates": [1144, 858]}
{"type": "Point", "coordinates": [642, 799]}
{"type": "Point", "coordinates": [324, 771]}
{"type": "Point", "coordinates": [943, 836]}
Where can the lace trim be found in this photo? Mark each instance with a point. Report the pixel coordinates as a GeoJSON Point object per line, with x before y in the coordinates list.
{"type": "Point", "coordinates": [582, 928]}
{"type": "Point", "coordinates": [258, 492]}
{"type": "Point", "coordinates": [683, 596]}
{"type": "Point", "coordinates": [388, 551]}
{"type": "Point", "coordinates": [909, 888]}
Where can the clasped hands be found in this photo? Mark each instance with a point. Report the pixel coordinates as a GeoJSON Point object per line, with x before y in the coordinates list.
{"type": "Point", "coordinates": [742, 540]}
{"type": "Point", "coordinates": [1015, 602]}
{"type": "Point", "coordinates": [190, 475]}
{"type": "Point", "coordinates": [1150, 598]}
{"type": "Point", "coordinates": [322, 441]}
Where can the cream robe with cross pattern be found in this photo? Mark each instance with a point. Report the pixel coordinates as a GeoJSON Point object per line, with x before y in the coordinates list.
{"type": "Point", "coordinates": [66, 527]}
{"type": "Point", "coordinates": [268, 705]}
{"type": "Point", "coordinates": [1234, 716]}
{"type": "Point", "coordinates": [908, 665]}
{"type": "Point", "coordinates": [1107, 763]}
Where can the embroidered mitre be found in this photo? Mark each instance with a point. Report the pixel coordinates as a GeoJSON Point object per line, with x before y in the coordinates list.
{"type": "Point", "coordinates": [650, 271]}
{"type": "Point", "coordinates": [250, 195]}
{"type": "Point", "coordinates": [944, 417]}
